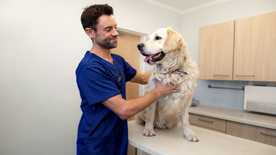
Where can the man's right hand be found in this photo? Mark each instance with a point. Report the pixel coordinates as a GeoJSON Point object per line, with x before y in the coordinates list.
{"type": "Point", "coordinates": [166, 89]}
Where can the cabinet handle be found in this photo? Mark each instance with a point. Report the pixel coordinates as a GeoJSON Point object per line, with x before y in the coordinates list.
{"type": "Point", "coordinates": [245, 75]}
{"type": "Point", "coordinates": [267, 134]}
{"type": "Point", "coordinates": [222, 75]}
{"type": "Point", "coordinates": [205, 120]}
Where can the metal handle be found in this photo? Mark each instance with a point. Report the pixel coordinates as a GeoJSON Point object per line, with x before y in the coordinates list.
{"type": "Point", "coordinates": [209, 86]}
{"type": "Point", "coordinates": [268, 134]}
{"type": "Point", "coordinates": [206, 120]}
{"type": "Point", "coordinates": [245, 75]}
{"type": "Point", "coordinates": [222, 75]}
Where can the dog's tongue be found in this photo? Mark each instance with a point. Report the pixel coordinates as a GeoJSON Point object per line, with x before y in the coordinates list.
{"type": "Point", "coordinates": [147, 58]}
{"type": "Point", "coordinates": [154, 56]}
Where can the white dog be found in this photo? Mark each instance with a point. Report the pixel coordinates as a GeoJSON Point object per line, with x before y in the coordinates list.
{"type": "Point", "coordinates": [167, 51]}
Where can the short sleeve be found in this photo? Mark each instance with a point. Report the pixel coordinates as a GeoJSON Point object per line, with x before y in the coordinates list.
{"type": "Point", "coordinates": [97, 86]}
{"type": "Point", "coordinates": [130, 72]}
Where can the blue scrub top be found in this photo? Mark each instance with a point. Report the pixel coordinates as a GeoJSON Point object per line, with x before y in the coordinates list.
{"type": "Point", "coordinates": [100, 130]}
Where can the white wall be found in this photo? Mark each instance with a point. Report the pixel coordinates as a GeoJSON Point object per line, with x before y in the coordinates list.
{"type": "Point", "coordinates": [231, 10]}
{"type": "Point", "coordinates": [42, 42]}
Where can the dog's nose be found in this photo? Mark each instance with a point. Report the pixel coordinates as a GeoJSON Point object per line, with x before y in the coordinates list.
{"type": "Point", "coordinates": [140, 46]}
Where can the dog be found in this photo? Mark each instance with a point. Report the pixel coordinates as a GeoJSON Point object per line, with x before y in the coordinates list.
{"type": "Point", "coordinates": [167, 50]}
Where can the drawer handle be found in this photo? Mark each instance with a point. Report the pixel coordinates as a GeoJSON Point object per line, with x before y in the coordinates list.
{"type": "Point", "coordinates": [245, 75]}
{"type": "Point", "coordinates": [267, 134]}
{"type": "Point", "coordinates": [206, 120]}
{"type": "Point", "coordinates": [222, 75]}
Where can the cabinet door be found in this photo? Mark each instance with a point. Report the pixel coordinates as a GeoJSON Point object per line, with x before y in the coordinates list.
{"type": "Point", "coordinates": [237, 129]}
{"type": "Point", "coordinates": [216, 45]}
{"type": "Point", "coordinates": [263, 135]}
{"type": "Point", "coordinates": [255, 48]}
{"type": "Point", "coordinates": [255, 133]}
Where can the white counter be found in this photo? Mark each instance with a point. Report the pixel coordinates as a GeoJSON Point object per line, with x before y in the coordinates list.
{"type": "Point", "coordinates": [172, 142]}
{"type": "Point", "coordinates": [262, 120]}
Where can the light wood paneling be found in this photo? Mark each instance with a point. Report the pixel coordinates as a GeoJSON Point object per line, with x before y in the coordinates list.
{"type": "Point", "coordinates": [208, 122]}
{"type": "Point", "coordinates": [127, 48]}
{"type": "Point", "coordinates": [237, 129]}
{"type": "Point", "coordinates": [216, 45]}
{"type": "Point", "coordinates": [255, 48]}
{"type": "Point", "coordinates": [131, 150]}
{"type": "Point", "coordinates": [255, 133]}
{"type": "Point", "coordinates": [263, 135]}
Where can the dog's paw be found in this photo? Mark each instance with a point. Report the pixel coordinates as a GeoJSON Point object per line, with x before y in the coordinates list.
{"type": "Point", "coordinates": [191, 136]}
{"type": "Point", "coordinates": [148, 132]}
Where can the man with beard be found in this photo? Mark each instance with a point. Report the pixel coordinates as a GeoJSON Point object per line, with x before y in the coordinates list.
{"type": "Point", "coordinates": [101, 79]}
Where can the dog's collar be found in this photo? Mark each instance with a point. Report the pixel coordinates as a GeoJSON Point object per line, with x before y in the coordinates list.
{"type": "Point", "coordinates": [181, 71]}
{"type": "Point", "coordinates": [175, 72]}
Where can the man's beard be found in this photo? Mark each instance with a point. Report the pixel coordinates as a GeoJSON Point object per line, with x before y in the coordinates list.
{"type": "Point", "coordinates": [105, 43]}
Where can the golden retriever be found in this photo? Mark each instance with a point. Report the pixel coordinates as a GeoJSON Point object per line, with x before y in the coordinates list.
{"type": "Point", "coordinates": [167, 50]}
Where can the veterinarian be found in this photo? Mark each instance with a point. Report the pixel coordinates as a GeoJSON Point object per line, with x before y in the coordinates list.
{"type": "Point", "coordinates": [101, 79]}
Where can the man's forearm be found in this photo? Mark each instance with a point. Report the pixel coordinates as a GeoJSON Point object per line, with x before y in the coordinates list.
{"type": "Point", "coordinates": [146, 77]}
{"type": "Point", "coordinates": [125, 109]}
{"type": "Point", "coordinates": [136, 105]}
{"type": "Point", "coordinates": [141, 78]}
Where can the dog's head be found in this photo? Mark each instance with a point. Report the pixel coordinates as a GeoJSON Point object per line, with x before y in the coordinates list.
{"type": "Point", "coordinates": [159, 44]}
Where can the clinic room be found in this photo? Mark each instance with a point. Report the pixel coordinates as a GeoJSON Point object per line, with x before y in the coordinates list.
{"type": "Point", "coordinates": [138, 77]}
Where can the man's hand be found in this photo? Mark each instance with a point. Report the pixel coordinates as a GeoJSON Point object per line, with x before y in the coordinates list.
{"type": "Point", "coordinates": [166, 89]}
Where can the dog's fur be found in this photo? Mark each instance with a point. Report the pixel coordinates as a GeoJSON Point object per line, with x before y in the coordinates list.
{"type": "Point", "coordinates": [175, 60]}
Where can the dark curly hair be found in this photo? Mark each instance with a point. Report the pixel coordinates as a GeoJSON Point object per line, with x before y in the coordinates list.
{"type": "Point", "coordinates": [90, 15]}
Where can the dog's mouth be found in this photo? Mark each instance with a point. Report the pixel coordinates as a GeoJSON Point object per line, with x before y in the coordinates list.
{"type": "Point", "coordinates": [156, 57]}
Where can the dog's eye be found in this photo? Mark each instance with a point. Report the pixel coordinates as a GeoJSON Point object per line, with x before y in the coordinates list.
{"type": "Point", "coordinates": [157, 38]}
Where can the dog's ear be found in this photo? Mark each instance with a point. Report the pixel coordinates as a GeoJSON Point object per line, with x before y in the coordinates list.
{"type": "Point", "coordinates": [172, 42]}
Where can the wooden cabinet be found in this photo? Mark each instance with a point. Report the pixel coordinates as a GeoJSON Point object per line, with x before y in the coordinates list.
{"type": "Point", "coordinates": [208, 122]}
{"type": "Point", "coordinates": [216, 51]}
{"type": "Point", "coordinates": [255, 48]}
{"type": "Point", "coordinates": [250, 132]}
{"type": "Point", "coordinates": [255, 133]}
{"type": "Point", "coordinates": [243, 50]}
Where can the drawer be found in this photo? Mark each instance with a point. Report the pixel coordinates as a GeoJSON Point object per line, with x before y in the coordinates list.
{"type": "Point", "coordinates": [263, 135]}
{"type": "Point", "coordinates": [255, 133]}
{"type": "Point", "coordinates": [208, 122]}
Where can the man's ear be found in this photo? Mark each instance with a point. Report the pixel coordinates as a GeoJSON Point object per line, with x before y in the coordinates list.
{"type": "Point", "coordinates": [172, 41]}
{"type": "Point", "coordinates": [90, 32]}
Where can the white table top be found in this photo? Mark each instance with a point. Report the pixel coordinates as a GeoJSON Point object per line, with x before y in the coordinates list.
{"type": "Point", "coordinates": [262, 120]}
{"type": "Point", "coordinates": [172, 142]}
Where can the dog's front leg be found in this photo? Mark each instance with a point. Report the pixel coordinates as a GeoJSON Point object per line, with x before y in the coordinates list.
{"type": "Point", "coordinates": [150, 112]}
{"type": "Point", "coordinates": [188, 132]}
{"type": "Point", "coordinates": [148, 130]}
